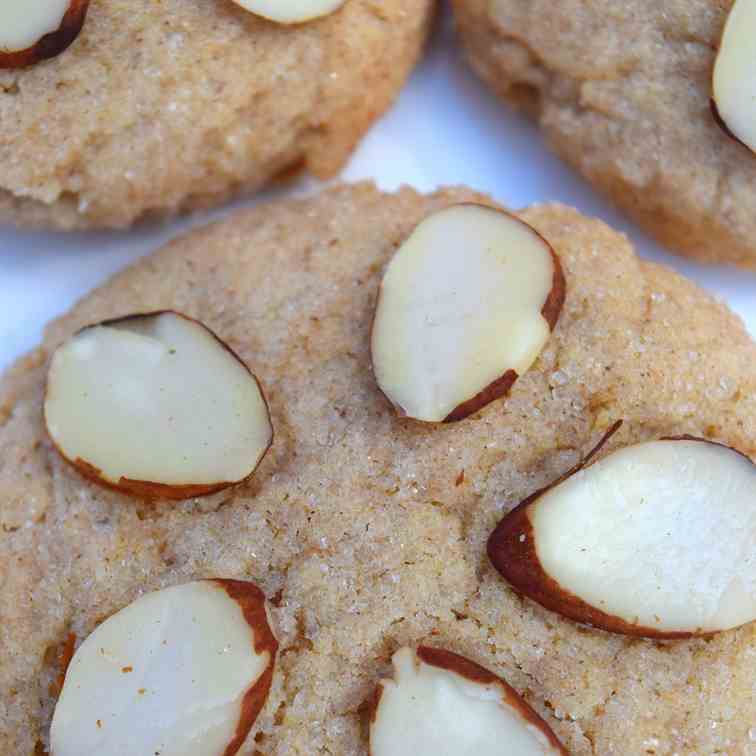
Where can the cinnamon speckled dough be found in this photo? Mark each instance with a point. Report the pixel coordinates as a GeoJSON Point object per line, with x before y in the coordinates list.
{"type": "Point", "coordinates": [359, 525]}
{"type": "Point", "coordinates": [621, 89]}
{"type": "Point", "coordinates": [169, 106]}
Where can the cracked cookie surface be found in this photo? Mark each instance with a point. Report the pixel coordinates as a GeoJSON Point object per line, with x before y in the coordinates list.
{"type": "Point", "coordinates": [368, 531]}
{"type": "Point", "coordinates": [622, 91]}
{"type": "Point", "coordinates": [171, 106]}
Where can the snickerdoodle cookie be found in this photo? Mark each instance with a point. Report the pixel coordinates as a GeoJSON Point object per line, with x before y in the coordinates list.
{"type": "Point", "coordinates": [622, 91]}
{"type": "Point", "coordinates": [164, 107]}
{"type": "Point", "coordinates": [367, 531]}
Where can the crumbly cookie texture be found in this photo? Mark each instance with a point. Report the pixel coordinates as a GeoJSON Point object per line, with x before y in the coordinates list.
{"type": "Point", "coordinates": [367, 531]}
{"type": "Point", "coordinates": [163, 107]}
{"type": "Point", "coordinates": [622, 92]}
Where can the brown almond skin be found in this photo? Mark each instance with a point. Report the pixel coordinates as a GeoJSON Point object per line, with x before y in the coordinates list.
{"type": "Point", "coordinates": [65, 655]}
{"type": "Point", "coordinates": [722, 125]}
{"type": "Point", "coordinates": [252, 602]}
{"type": "Point", "coordinates": [686, 437]}
{"type": "Point", "coordinates": [145, 489]}
{"type": "Point", "coordinates": [501, 387]}
{"type": "Point", "coordinates": [497, 390]}
{"type": "Point", "coordinates": [516, 559]}
{"type": "Point", "coordinates": [443, 659]}
{"type": "Point", "coordinates": [150, 490]}
{"type": "Point", "coordinates": [51, 44]}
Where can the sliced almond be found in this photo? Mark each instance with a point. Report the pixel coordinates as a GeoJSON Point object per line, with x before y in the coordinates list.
{"type": "Point", "coordinates": [442, 703]}
{"type": "Point", "coordinates": [185, 670]}
{"type": "Point", "coordinates": [734, 85]}
{"type": "Point", "coordinates": [290, 11]}
{"type": "Point", "coordinates": [465, 307]}
{"type": "Point", "coordinates": [656, 540]}
{"type": "Point", "coordinates": [34, 30]}
{"type": "Point", "coordinates": [157, 406]}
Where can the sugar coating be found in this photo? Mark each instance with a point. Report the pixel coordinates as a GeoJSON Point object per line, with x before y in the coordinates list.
{"type": "Point", "coordinates": [622, 89]}
{"type": "Point", "coordinates": [360, 526]}
{"type": "Point", "coordinates": [170, 106]}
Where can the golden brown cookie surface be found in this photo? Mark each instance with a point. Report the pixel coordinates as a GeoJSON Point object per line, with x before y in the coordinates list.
{"type": "Point", "coordinates": [162, 107]}
{"type": "Point", "coordinates": [359, 525]}
{"type": "Point", "coordinates": [622, 91]}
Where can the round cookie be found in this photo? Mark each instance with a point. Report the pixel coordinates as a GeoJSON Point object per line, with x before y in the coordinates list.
{"type": "Point", "coordinates": [164, 107]}
{"type": "Point", "coordinates": [360, 526]}
{"type": "Point", "coordinates": [622, 91]}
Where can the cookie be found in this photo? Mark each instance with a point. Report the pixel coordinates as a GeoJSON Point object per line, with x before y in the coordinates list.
{"type": "Point", "coordinates": [622, 92]}
{"type": "Point", "coordinates": [161, 108]}
{"type": "Point", "coordinates": [367, 531]}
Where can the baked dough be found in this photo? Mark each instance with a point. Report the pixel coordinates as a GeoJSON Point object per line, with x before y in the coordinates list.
{"type": "Point", "coordinates": [171, 106]}
{"type": "Point", "coordinates": [621, 89]}
{"type": "Point", "coordinates": [360, 526]}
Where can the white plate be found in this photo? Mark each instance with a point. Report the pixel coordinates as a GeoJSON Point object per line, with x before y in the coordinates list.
{"type": "Point", "coordinates": [445, 129]}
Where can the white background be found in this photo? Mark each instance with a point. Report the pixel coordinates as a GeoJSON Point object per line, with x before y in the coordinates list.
{"type": "Point", "coordinates": [444, 129]}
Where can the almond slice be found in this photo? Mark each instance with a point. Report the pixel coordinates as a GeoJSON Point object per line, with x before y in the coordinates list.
{"type": "Point", "coordinates": [157, 406]}
{"type": "Point", "coordinates": [442, 703]}
{"type": "Point", "coordinates": [465, 307]}
{"type": "Point", "coordinates": [290, 11]}
{"type": "Point", "coordinates": [185, 670]}
{"type": "Point", "coordinates": [34, 30]}
{"type": "Point", "coordinates": [656, 540]}
{"type": "Point", "coordinates": [734, 82]}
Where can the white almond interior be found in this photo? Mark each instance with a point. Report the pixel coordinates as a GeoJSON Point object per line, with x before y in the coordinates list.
{"type": "Point", "coordinates": [427, 711]}
{"type": "Point", "coordinates": [24, 22]}
{"type": "Point", "coordinates": [735, 73]}
{"type": "Point", "coordinates": [165, 675]}
{"type": "Point", "coordinates": [290, 11]}
{"type": "Point", "coordinates": [660, 534]}
{"type": "Point", "coordinates": [156, 399]}
{"type": "Point", "coordinates": [460, 306]}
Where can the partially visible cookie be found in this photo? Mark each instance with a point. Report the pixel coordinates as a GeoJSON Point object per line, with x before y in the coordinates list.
{"type": "Point", "coordinates": [622, 91]}
{"type": "Point", "coordinates": [164, 107]}
{"type": "Point", "coordinates": [367, 532]}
